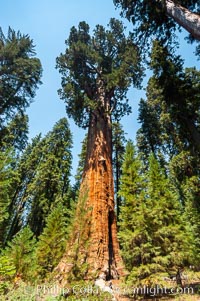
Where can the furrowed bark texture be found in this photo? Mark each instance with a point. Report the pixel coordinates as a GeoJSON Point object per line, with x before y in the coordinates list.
{"type": "Point", "coordinates": [93, 249]}
{"type": "Point", "coordinates": [185, 18]}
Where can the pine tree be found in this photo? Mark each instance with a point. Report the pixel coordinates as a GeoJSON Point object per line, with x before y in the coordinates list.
{"type": "Point", "coordinates": [22, 252]}
{"type": "Point", "coordinates": [51, 181]}
{"type": "Point", "coordinates": [192, 211]}
{"type": "Point", "coordinates": [15, 133]}
{"type": "Point", "coordinates": [52, 241]}
{"type": "Point", "coordinates": [26, 171]}
{"type": "Point", "coordinates": [20, 75]}
{"type": "Point", "coordinates": [7, 273]}
{"type": "Point", "coordinates": [170, 125]}
{"type": "Point", "coordinates": [44, 171]}
{"type": "Point", "coordinates": [7, 179]}
{"type": "Point", "coordinates": [170, 116]}
{"type": "Point", "coordinates": [155, 238]}
{"type": "Point", "coordinates": [132, 212]}
{"type": "Point", "coordinates": [171, 232]}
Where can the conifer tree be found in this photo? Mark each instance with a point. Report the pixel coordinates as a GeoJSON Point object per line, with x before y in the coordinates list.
{"type": "Point", "coordinates": [170, 115]}
{"type": "Point", "coordinates": [132, 192]}
{"type": "Point", "coordinates": [170, 124]}
{"type": "Point", "coordinates": [20, 73]}
{"type": "Point", "coordinates": [52, 241]}
{"type": "Point", "coordinates": [192, 211]}
{"type": "Point", "coordinates": [44, 170]}
{"type": "Point", "coordinates": [7, 179]}
{"type": "Point", "coordinates": [184, 173]}
{"type": "Point", "coordinates": [160, 19]}
{"type": "Point", "coordinates": [97, 71]}
{"type": "Point", "coordinates": [7, 273]}
{"type": "Point", "coordinates": [22, 252]}
{"type": "Point", "coordinates": [15, 134]}
{"type": "Point", "coordinates": [171, 233]}
{"type": "Point", "coordinates": [26, 170]}
{"type": "Point", "coordinates": [51, 181]}
{"type": "Point", "coordinates": [155, 238]}
{"type": "Point", "coordinates": [118, 149]}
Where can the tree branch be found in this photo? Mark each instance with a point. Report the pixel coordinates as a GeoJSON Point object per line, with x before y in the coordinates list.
{"type": "Point", "coordinates": [188, 20]}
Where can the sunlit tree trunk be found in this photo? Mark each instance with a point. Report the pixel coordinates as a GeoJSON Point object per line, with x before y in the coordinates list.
{"type": "Point", "coordinates": [96, 244]}
{"type": "Point", "coordinates": [188, 20]}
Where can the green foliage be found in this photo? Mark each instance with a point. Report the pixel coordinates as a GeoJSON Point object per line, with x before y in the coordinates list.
{"type": "Point", "coordinates": [153, 234]}
{"type": "Point", "coordinates": [7, 273]}
{"type": "Point", "coordinates": [15, 133]}
{"type": "Point", "coordinates": [150, 19]}
{"type": "Point", "coordinates": [20, 75]}
{"type": "Point", "coordinates": [8, 176]}
{"type": "Point", "coordinates": [192, 212]}
{"type": "Point", "coordinates": [21, 250]}
{"type": "Point", "coordinates": [170, 128]}
{"type": "Point", "coordinates": [7, 268]}
{"type": "Point", "coordinates": [170, 116]}
{"type": "Point", "coordinates": [20, 291]}
{"type": "Point", "coordinates": [109, 60]}
{"type": "Point", "coordinates": [51, 181]}
{"type": "Point", "coordinates": [52, 241]}
{"type": "Point", "coordinates": [26, 171]}
{"type": "Point", "coordinates": [118, 149]}
{"type": "Point", "coordinates": [81, 163]}
{"type": "Point", "coordinates": [44, 170]}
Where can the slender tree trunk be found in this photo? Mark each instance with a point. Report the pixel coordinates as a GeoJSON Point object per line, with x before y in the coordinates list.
{"type": "Point", "coordinates": [185, 18]}
{"type": "Point", "coordinates": [94, 246]}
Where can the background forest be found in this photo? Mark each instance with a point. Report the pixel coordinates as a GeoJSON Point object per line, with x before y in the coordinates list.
{"type": "Point", "coordinates": [156, 177]}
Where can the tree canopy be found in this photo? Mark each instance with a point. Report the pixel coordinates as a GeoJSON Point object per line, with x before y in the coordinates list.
{"type": "Point", "coordinates": [153, 234]}
{"type": "Point", "coordinates": [160, 19]}
{"type": "Point", "coordinates": [107, 56]}
{"type": "Point", "coordinates": [20, 74]}
{"type": "Point", "coordinates": [170, 115]}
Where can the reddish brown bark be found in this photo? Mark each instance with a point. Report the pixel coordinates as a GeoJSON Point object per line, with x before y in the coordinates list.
{"type": "Point", "coordinates": [96, 244]}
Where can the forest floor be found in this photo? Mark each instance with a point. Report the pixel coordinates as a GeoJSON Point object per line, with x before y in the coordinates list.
{"type": "Point", "coordinates": [189, 292]}
{"type": "Point", "coordinates": [87, 291]}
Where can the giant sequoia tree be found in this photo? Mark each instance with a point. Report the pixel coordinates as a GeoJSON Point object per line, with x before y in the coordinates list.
{"type": "Point", "coordinates": [96, 72]}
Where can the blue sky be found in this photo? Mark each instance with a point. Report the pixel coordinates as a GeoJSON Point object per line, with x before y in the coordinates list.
{"type": "Point", "coordinates": [48, 23]}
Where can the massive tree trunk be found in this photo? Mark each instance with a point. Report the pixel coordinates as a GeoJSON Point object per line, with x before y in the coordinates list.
{"type": "Point", "coordinates": [93, 249]}
{"type": "Point", "coordinates": [185, 18]}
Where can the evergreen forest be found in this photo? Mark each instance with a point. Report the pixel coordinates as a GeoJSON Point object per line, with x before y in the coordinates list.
{"type": "Point", "coordinates": [128, 226]}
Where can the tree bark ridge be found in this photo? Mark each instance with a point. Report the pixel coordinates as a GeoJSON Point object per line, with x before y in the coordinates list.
{"type": "Point", "coordinates": [98, 244]}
